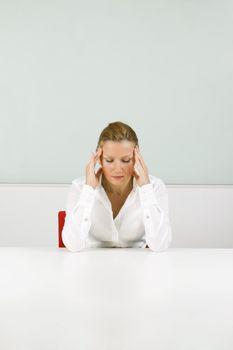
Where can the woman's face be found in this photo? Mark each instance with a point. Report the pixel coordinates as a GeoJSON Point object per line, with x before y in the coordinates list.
{"type": "Point", "coordinates": [117, 161]}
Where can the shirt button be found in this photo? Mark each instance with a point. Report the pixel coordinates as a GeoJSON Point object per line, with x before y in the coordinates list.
{"type": "Point", "coordinates": [147, 217]}
{"type": "Point", "coordinates": [85, 219]}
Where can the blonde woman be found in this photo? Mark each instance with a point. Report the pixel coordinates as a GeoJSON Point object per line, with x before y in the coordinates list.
{"type": "Point", "coordinates": [121, 204]}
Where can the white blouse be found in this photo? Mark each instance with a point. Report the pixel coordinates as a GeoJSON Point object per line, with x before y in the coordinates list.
{"type": "Point", "coordinates": [142, 220]}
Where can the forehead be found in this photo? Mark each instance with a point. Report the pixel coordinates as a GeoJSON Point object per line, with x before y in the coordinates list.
{"type": "Point", "coordinates": [118, 149]}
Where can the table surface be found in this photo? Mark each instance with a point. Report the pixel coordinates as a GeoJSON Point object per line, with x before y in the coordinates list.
{"type": "Point", "coordinates": [116, 298]}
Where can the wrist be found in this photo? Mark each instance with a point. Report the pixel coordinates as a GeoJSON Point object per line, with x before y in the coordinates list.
{"type": "Point", "coordinates": [91, 185]}
{"type": "Point", "coordinates": [145, 182]}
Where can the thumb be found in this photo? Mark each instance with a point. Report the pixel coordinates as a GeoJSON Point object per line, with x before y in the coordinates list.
{"type": "Point", "coordinates": [99, 171]}
{"type": "Point", "coordinates": [135, 174]}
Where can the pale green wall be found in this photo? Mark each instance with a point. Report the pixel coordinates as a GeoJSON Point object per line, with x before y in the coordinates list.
{"type": "Point", "coordinates": [68, 68]}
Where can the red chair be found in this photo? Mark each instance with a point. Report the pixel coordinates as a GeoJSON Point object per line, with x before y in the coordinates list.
{"type": "Point", "coordinates": [61, 221]}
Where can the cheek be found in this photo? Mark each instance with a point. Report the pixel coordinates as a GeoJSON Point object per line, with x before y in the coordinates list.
{"type": "Point", "coordinates": [130, 168]}
{"type": "Point", "coordinates": [106, 167]}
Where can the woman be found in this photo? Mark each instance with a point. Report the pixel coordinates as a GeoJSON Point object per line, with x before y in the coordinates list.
{"type": "Point", "coordinates": [120, 205]}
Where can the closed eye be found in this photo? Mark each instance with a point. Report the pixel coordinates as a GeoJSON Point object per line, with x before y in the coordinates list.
{"type": "Point", "coordinates": [124, 161]}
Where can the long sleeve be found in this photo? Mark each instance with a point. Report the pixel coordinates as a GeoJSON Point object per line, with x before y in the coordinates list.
{"type": "Point", "coordinates": [78, 211]}
{"type": "Point", "coordinates": [154, 203]}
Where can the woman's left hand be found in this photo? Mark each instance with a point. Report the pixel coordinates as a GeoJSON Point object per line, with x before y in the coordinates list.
{"type": "Point", "coordinates": [141, 174]}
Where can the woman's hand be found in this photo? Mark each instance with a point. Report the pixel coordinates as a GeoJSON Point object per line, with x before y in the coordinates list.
{"type": "Point", "coordinates": [92, 178]}
{"type": "Point", "coordinates": [141, 173]}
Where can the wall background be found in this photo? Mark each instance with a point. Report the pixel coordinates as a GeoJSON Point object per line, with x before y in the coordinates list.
{"type": "Point", "coordinates": [68, 68]}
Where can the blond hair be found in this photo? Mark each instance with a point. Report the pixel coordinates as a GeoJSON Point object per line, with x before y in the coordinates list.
{"type": "Point", "coordinates": [117, 131]}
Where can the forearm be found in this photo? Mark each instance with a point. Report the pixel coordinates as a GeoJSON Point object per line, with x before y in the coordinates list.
{"type": "Point", "coordinates": [154, 203]}
{"type": "Point", "coordinates": [157, 229]}
{"type": "Point", "coordinates": [78, 221]}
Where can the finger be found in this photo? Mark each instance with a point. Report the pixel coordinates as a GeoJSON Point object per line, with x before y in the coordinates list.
{"type": "Point", "coordinates": [98, 153]}
{"type": "Point", "coordinates": [135, 174]}
{"type": "Point", "coordinates": [92, 157]}
{"type": "Point", "coordinates": [98, 150]}
{"type": "Point", "coordinates": [141, 160]}
{"type": "Point", "coordinates": [95, 154]}
{"type": "Point", "coordinates": [137, 158]}
{"type": "Point", "coordinates": [92, 160]}
{"type": "Point", "coordinates": [137, 151]}
{"type": "Point", "coordinates": [134, 155]}
{"type": "Point", "coordinates": [97, 158]}
{"type": "Point", "coordinates": [138, 167]}
{"type": "Point", "coordinates": [99, 171]}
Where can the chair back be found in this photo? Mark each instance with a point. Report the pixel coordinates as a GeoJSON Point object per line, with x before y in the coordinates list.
{"type": "Point", "coordinates": [61, 221]}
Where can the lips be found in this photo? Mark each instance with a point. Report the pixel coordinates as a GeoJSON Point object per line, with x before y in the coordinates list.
{"type": "Point", "coordinates": [117, 177]}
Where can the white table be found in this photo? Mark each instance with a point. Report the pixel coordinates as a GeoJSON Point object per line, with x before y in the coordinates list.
{"type": "Point", "coordinates": [116, 299]}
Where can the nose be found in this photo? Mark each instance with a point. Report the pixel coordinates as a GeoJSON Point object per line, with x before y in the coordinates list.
{"type": "Point", "coordinates": [117, 167]}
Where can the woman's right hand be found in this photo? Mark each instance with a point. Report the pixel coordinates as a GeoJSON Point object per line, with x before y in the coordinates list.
{"type": "Point", "coordinates": [92, 178]}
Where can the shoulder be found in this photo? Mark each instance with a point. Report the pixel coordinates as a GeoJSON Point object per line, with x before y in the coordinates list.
{"type": "Point", "coordinates": [79, 182]}
{"type": "Point", "coordinates": [157, 183]}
